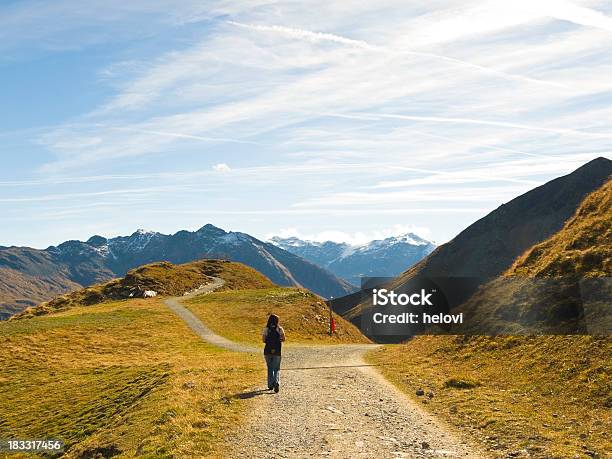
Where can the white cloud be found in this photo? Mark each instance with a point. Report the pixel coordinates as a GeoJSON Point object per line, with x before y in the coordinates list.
{"type": "Point", "coordinates": [182, 136]}
{"type": "Point", "coordinates": [309, 35]}
{"type": "Point", "coordinates": [221, 167]}
{"type": "Point", "coordinates": [390, 109]}
{"type": "Point", "coordinates": [439, 119]}
{"type": "Point", "coordinates": [261, 83]}
{"type": "Point", "coordinates": [316, 37]}
{"type": "Point", "coordinates": [567, 11]}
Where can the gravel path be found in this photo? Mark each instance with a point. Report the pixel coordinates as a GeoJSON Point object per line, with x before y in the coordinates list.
{"type": "Point", "coordinates": [198, 326]}
{"type": "Point", "coordinates": [340, 412]}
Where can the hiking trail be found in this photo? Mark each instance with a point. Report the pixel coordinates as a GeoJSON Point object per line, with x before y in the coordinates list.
{"type": "Point", "coordinates": [339, 412]}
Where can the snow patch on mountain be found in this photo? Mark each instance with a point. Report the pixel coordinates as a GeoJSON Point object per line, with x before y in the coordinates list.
{"type": "Point", "coordinates": [232, 238]}
{"type": "Point", "coordinates": [378, 258]}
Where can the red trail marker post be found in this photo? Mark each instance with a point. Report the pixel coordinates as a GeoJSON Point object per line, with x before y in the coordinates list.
{"type": "Point", "coordinates": [332, 322]}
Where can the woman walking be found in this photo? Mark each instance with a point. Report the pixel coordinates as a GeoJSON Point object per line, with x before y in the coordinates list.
{"type": "Point", "coordinates": [273, 335]}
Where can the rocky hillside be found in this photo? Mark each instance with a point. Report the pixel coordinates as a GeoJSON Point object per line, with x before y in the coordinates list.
{"type": "Point", "coordinates": [379, 258]}
{"type": "Point", "coordinates": [37, 275]}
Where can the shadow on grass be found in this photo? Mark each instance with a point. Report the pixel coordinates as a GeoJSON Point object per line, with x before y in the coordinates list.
{"type": "Point", "coordinates": [251, 394]}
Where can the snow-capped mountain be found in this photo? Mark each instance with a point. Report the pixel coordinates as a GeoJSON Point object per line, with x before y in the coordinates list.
{"type": "Point", "coordinates": [100, 259]}
{"type": "Point", "coordinates": [380, 258]}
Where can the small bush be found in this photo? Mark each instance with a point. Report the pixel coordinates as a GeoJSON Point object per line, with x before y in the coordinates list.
{"type": "Point", "coordinates": [463, 382]}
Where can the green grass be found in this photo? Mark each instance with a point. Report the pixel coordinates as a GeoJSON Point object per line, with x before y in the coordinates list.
{"type": "Point", "coordinates": [96, 395]}
{"type": "Point", "coordinates": [241, 316]}
{"type": "Point", "coordinates": [113, 377]}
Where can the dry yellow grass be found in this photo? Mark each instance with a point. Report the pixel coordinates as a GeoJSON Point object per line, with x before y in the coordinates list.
{"type": "Point", "coordinates": [128, 378]}
{"type": "Point", "coordinates": [583, 246]}
{"type": "Point", "coordinates": [161, 277]}
{"type": "Point", "coordinates": [125, 377]}
{"type": "Point", "coordinates": [241, 315]}
{"type": "Point", "coordinates": [549, 395]}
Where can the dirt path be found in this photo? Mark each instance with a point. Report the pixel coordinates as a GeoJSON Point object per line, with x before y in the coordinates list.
{"type": "Point", "coordinates": [340, 412]}
{"type": "Point", "coordinates": [198, 326]}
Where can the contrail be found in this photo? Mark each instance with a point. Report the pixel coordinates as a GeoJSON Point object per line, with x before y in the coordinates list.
{"type": "Point", "coordinates": [440, 119]}
{"type": "Point", "coordinates": [308, 35]}
{"type": "Point", "coordinates": [568, 11]}
{"type": "Point", "coordinates": [316, 37]}
{"type": "Point", "coordinates": [183, 136]}
{"type": "Point", "coordinates": [493, 147]}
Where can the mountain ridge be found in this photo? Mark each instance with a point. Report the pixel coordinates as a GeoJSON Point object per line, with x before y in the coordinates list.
{"type": "Point", "coordinates": [100, 259]}
{"type": "Point", "coordinates": [489, 246]}
{"type": "Point", "coordinates": [547, 217]}
{"type": "Point", "coordinates": [377, 258]}
{"type": "Point", "coordinates": [569, 288]}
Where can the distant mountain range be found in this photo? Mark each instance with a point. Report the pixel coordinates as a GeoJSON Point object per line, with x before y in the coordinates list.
{"type": "Point", "coordinates": [30, 275]}
{"type": "Point", "coordinates": [380, 258]}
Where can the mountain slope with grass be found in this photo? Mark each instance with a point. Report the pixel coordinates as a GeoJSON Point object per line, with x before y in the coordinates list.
{"type": "Point", "coordinates": [19, 290]}
{"type": "Point", "coordinates": [529, 396]}
{"type": "Point", "coordinates": [583, 247]}
{"type": "Point", "coordinates": [560, 285]}
{"type": "Point", "coordinates": [240, 315]}
{"type": "Point", "coordinates": [37, 275]}
{"type": "Point", "coordinates": [488, 247]}
{"type": "Point", "coordinates": [29, 276]}
{"type": "Point", "coordinates": [114, 375]}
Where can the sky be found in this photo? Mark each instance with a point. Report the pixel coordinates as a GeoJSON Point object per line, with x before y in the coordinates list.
{"type": "Point", "coordinates": [346, 120]}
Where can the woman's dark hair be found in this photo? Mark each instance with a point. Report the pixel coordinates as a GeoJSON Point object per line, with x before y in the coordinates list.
{"type": "Point", "coordinates": [272, 321]}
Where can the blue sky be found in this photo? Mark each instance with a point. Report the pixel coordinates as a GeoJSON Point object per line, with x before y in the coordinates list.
{"type": "Point", "coordinates": [347, 120]}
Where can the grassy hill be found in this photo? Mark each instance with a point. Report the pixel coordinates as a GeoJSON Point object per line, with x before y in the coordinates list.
{"type": "Point", "coordinates": [117, 376]}
{"type": "Point", "coordinates": [163, 278]}
{"type": "Point", "coordinates": [583, 247]}
{"type": "Point", "coordinates": [542, 396]}
{"type": "Point", "coordinates": [560, 285]}
{"type": "Point", "coordinates": [121, 377]}
{"type": "Point", "coordinates": [241, 315]}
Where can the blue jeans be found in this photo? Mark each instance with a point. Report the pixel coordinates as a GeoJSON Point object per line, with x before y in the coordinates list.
{"type": "Point", "coordinates": [273, 362]}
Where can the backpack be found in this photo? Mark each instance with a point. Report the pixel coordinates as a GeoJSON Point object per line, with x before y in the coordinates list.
{"type": "Point", "coordinates": [273, 342]}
